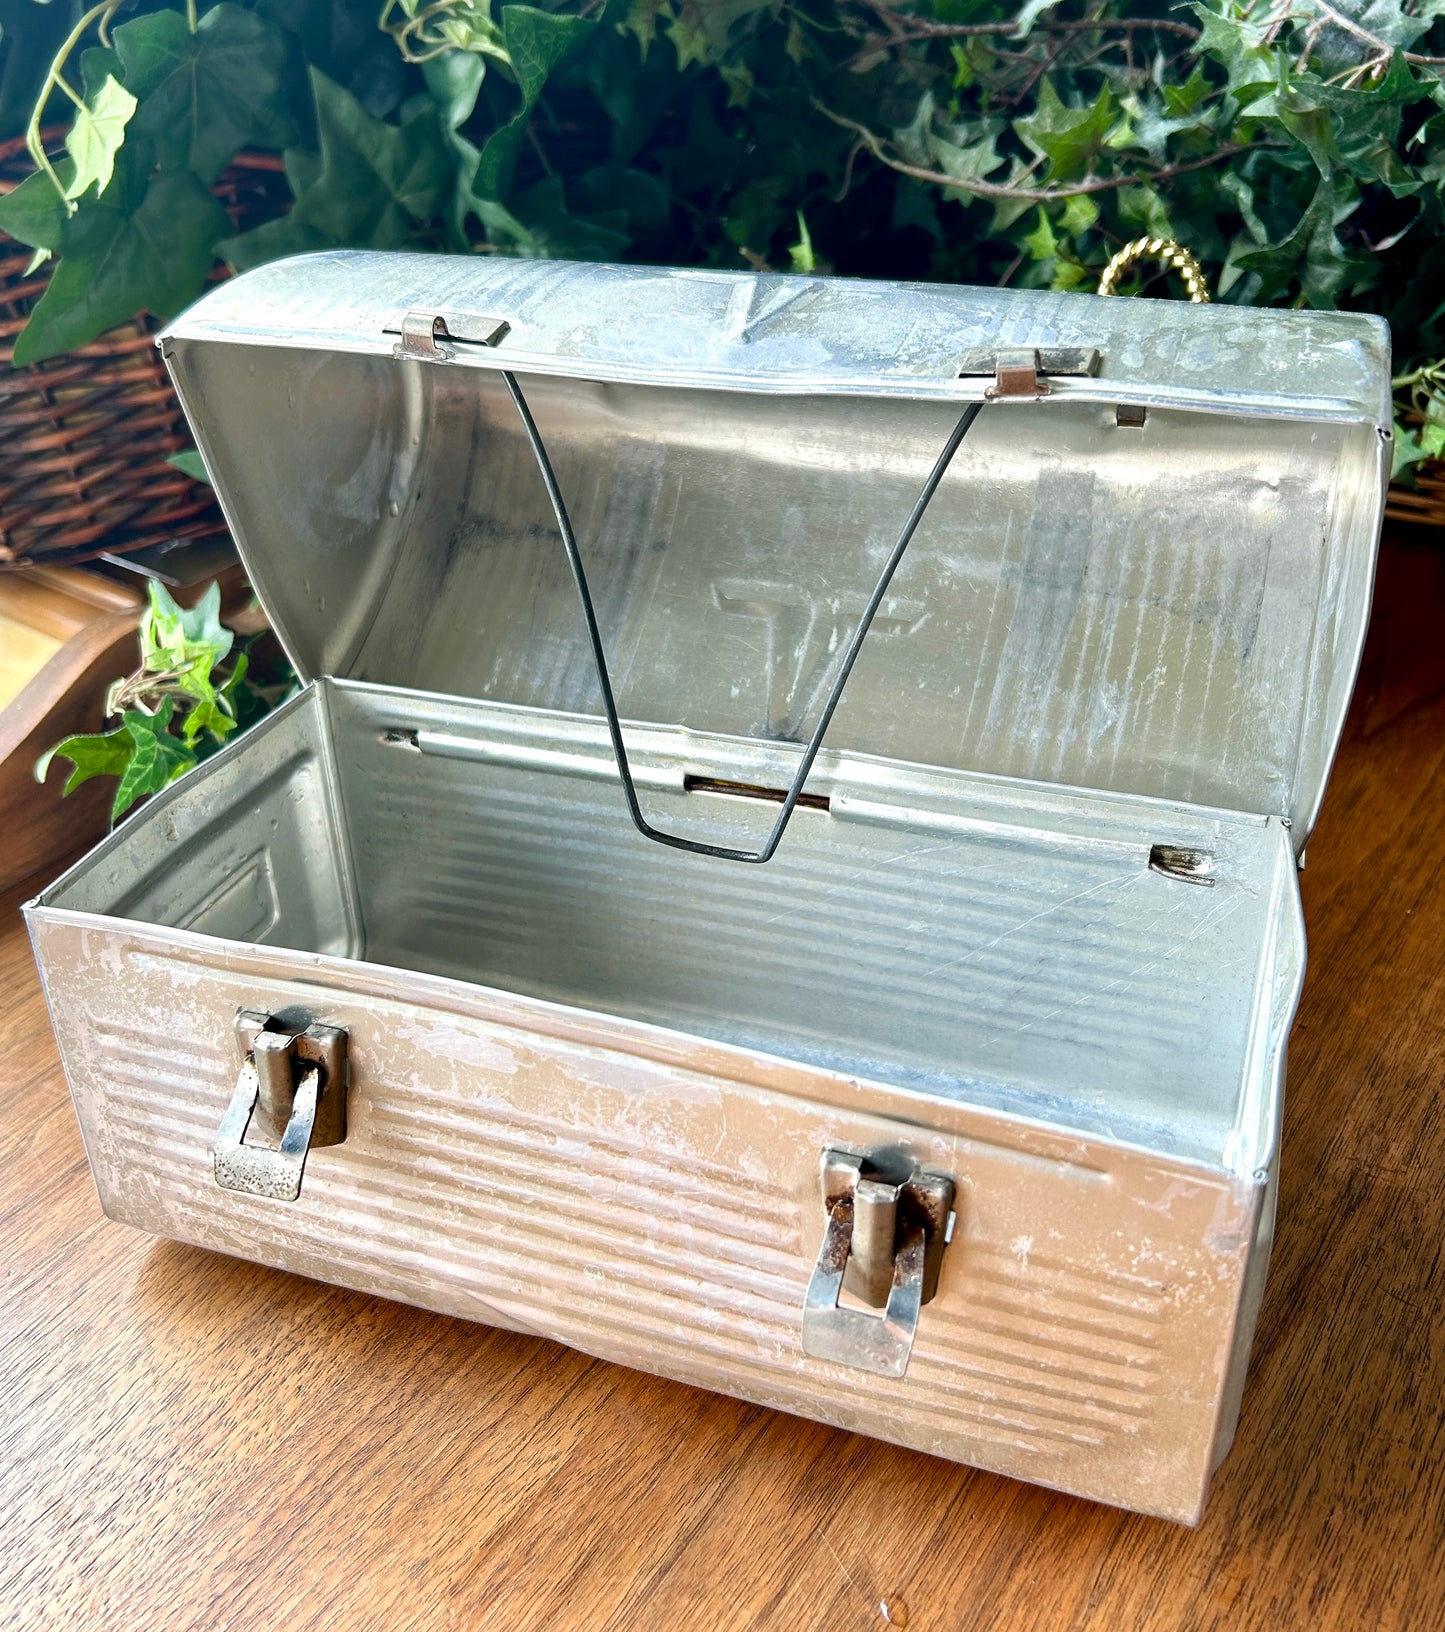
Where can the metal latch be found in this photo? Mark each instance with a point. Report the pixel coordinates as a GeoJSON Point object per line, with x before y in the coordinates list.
{"type": "Point", "coordinates": [290, 1097]}
{"type": "Point", "coordinates": [1022, 375]}
{"type": "Point", "coordinates": [883, 1245]}
{"type": "Point", "coordinates": [423, 334]}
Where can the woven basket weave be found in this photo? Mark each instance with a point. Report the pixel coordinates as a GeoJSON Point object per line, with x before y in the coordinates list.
{"type": "Point", "coordinates": [87, 434]}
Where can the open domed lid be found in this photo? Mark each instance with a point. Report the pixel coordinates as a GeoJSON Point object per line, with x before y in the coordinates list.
{"type": "Point", "coordinates": [1154, 578]}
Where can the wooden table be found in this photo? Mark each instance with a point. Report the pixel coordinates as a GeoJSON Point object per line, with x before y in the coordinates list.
{"type": "Point", "coordinates": [191, 1442]}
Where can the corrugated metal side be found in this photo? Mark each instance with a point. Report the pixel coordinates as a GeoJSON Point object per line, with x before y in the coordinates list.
{"type": "Point", "coordinates": [658, 1213]}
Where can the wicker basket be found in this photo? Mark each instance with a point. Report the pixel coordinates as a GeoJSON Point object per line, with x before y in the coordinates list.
{"type": "Point", "coordinates": [87, 435]}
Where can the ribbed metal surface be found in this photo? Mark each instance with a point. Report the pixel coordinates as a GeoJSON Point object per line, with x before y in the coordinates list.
{"type": "Point", "coordinates": [1074, 985]}
{"type": "Point", "coordinates": [931, 949]}
{"type": "Point", "coordinates": [616, 1242]}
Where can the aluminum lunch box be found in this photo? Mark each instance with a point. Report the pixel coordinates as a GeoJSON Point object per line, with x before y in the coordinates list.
{"type": "Point", "coordinates": [956, 1121]}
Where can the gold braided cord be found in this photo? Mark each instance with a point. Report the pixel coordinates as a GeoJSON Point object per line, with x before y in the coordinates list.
{"type": "Point", "coordinates": [1173, 256]}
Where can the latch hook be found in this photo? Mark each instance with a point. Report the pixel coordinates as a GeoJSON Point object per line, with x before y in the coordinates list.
{"type": "Point", "coordinates": [883, 1243]}
{"type": "Point", "coordinates": [290, 1095]}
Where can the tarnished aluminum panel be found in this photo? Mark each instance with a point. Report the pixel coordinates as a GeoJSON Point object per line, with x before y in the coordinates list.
{"type": "Point", "coordinates": [1174, 609]}
{"type": "Point", "coordinates": [654, 1203]}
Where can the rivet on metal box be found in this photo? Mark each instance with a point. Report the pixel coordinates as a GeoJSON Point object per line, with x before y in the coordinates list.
{"type": "Point", "coordinates": [977, 656]}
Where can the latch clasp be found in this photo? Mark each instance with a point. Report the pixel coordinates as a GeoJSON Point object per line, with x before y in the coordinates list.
{"type": "Point", "coordinates": [1023, 375]}
{"type": "Point", "coordinates": [425, 335]}
{"type": "Point", "coordinates": [883, 1245]}
{"type": "Point", "coordinates": [290, 1097]}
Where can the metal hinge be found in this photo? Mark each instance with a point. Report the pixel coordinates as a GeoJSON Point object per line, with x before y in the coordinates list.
{"type": "Point", "coordinates": [883, 1244]}
{"type": "Point", "coordinates": [290, 1097]}
{"type": "Point", "coordinates": [423, 333]}
{"type": "Point", "coordinates": [1022, 375]}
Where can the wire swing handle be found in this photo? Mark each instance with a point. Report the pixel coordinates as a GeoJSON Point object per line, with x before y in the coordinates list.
{"type": "Point", "coordinates": [599, 656]}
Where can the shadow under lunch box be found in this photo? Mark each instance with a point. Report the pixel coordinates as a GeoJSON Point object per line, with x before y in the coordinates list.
{"type": "Point", "coordinates": [956, 1121]}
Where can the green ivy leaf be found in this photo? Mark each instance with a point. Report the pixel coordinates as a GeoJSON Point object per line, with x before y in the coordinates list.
{"type": "Point", "coordinates": [190, 463]}
{"type": "Point", "coordinates": [187, 638]}
{"type": "Point", "coordinates": [236, 679]}
{"type": "Point", "coordinates": [1311, 254]}
{"type": "Point", "coordinates": [1387, 20]}
{"type": "Point", "coordinates": [1041, 243]}
{"type": "Point", "coordinates": [1079, 214]}
{"type": "Point", "coordinates": [552, 228]}
{"type": "Point", "coordinates": [291, 234]}
{"type": "Point", "coordinates": [969, 152]}
{"type": "Point", "coordinates": [205, 96]}
{"type": "Point", "coordinates": [35, 214]}
{"type": "Point", "coordinates": [143, 245]}
{"type": "Point", "coordinates": [1307, 120]}
{"type": "Point", "coordinates": [1144, 209]}
{"type": "Point", "coordinates": [537, 41]}
{"type": "Point", "coordinates": [1407, 453]}
{"type": "Point", "coordinates": [642, 20]}
{"type": "Point", "coordinates": [185, 645]}
{"type": "Point", "coordinates": [454, 80]}
{"type": "Point", "coordinates": [740, 81]}
{"type": "Point", "coordinates": [342, 39]}
{"type": "Point", "coordinates": [801, 254]}
{"type": "Point", "coordinates": [96, 135]}
{"type": "Point", "coordinates": [375, 182]}
{"type": "Point", "coordinates": [1007, 212]}
{"type": "Point", "coordinates": [97, 65]}
{"type": "Point", "coordinates": [101, 754]}
{"type": "Point", "coordinates": [1068, 137]}
{"type": "Point", "coordinates": [1152, 130]}
{"type": "Point", "coordinates": [158, 758]}
{"type": "Point", "coordinates": [141, 752]}
{"type": "Point", "coordinates": [207, 714]}
{"type": "Point", "coordinates": [1188, 99]}
{"type": "Point", "coordinates": [422, 27]}
{"type": "Point", "coordinates": [688, 40]}
{"type": "Point", "coordinates": [1030, 13]}
{"type": "Point", "coordinates": [636, 203]}
{"type": "Point", "coordinates": [1240, 46]}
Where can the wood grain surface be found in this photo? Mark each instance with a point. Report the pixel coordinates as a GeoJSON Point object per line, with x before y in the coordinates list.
{"type": "Point", "coordinates": [191, 1442]}
{"type": "Point", "coordinates": [87, 624]}
{"type": "Point", "coordinates": [94, 620]}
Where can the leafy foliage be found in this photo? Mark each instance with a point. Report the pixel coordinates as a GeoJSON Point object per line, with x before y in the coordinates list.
{"type": "Point", "coordinates": [1296, 146]}
{"type": "Point", "coordinates": [174, 709]}
{"type": "Point", "coordinates": [96, 135]}
{"type": "Point", "coordinates": [206, 94]}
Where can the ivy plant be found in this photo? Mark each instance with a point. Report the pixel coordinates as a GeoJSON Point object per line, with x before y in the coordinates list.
{"type": "Point", "coordinates": [1297, 147]}
{"type": "Point", "coordinates": [178, 706]}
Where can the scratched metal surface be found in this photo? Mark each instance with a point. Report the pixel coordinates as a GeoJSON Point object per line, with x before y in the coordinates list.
{"type": "Point", "coordinates": [587, 1099]}
{"type": "Point", "coordinates": [1172, 610]}
{"type": "Point", "coordinates": [1008, 951]}
{"type": "Point", "coordinates": [654, 1201]}
{"type": "Point", "coordinates": [588, 1095]}
{"type": "Point", "coordinates": [749, 331]}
